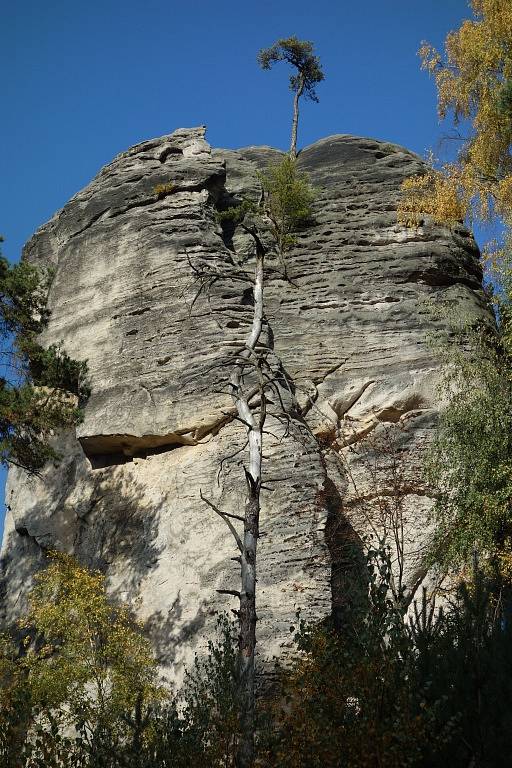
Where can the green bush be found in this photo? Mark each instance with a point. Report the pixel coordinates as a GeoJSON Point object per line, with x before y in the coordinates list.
{"type": "Point", "coordinates": [287, 202]}
{"type": "Point", "coordinates": [424, 692]}
{"type": "Point", "coordinates": [470, 464]}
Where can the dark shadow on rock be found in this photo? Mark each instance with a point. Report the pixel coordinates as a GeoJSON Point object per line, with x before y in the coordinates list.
{"type": "Point", "coordinates": [23, 558]}
{"type": "Point", "coordinates": [119, 528]}
{"type": "Point", "coordinates": [166, 638]}
{"type": "Point", "coordinates": [348, 565]}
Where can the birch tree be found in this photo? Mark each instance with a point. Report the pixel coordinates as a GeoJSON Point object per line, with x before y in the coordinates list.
{"type": "Point", "coordinates": [472, 452]}
{"type": "Point", "coordinates": [298, 53]}
{"type": "Point", "coordinates": [474, 89]}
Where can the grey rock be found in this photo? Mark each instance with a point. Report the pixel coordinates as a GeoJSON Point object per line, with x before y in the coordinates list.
{"type": "Point", "coordinates": [349, 329]}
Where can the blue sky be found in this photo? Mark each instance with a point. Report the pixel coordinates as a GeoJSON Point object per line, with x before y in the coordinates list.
{"type": "Point", "coordinates": [82, 81]}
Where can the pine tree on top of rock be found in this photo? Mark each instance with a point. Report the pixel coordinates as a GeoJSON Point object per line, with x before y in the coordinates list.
{"type": "Point", "coordinates": [298, 53]}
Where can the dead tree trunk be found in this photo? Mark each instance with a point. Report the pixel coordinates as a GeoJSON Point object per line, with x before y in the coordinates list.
{"type": "Point", "coordinates": [254, 422]}
{"type": "Point", "coordinates": [254, 372]}
{"type": "Point", "coordinates": [250, 403]}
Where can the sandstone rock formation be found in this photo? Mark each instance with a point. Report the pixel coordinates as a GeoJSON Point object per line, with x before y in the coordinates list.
{"type": "Point", "coordinates": [350, 328]}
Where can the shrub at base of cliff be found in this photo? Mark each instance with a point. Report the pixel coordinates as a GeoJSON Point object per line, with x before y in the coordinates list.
{"type": "Point", "coordinates": [212, 697]}
{"type": "Point", "coordinates": [468, 666]}
{"type": "Point", "coordinates": [85, 694]}
{"type": "Point", "coordinates": [428, 692]}
{"type": "Point", "coordinates": [353, 699]}
{"type": "Point", "coordinates": [425, 693]}
{"type": "Point", "coordinates": [87, 666]}
{"type": "Point", "coordinates": [15, 705]}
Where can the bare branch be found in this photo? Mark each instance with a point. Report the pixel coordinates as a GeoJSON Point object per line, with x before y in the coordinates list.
{"type": "Point", "coordinates": [229, 457]}
{"type": "Point", "coordinates": [233, 592]}
{"type": "Point", "coordinates": [225, 518]}
{"type": "Point", "coordinates": [233, 517]}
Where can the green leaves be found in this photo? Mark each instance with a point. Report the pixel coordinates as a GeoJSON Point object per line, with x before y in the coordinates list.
{"type": "Point", "coordinates": [237, 213]}
{"type": "Point", "coordinates": [351, 695]}
{"type": "Point", "coordinates": [94, 656]}
{"type": "Point", "coordinates": [23, 291]}
{"type": "Point", "coordinates": [427, 692]}
{"type": "Point", "coordinates": [52, 367]}
{"type": "Point", "coordinates": [287, 200]}
{"type": "Point", "coordinates": [470, 464]}
{"type": "Point", "coordinates": [87, 666]}
{"type": "Point", "coordinates": [386, 690]}
{"type": "Point", "coordinates": [298, 53]}
{"type": "Point", "coordinates": [87, 691]}
{"type": "Point", "coordinates": [286, 206]}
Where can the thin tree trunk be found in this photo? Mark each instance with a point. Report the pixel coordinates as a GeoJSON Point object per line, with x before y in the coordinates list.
{"type": "Point", "coordinates": [295, 121]}
{"type": "Point", "coordinates": [254, 423]}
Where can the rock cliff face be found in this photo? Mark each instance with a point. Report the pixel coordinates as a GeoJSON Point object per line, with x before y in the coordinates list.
{"type": "Point", "coordinates": [349, 327]}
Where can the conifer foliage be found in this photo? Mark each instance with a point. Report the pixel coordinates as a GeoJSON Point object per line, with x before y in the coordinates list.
{"type": "Point", "coordinates": [298, 53]}
{"type": "Point", "coordinates": [40, 387]}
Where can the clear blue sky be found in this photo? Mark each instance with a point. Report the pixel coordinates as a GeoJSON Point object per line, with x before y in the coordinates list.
{"type": "Point", "coordinates": [84, 80]}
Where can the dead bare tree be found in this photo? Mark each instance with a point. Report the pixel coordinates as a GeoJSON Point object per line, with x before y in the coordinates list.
{"type": "Point", "coordinates": [256, 373]}
{"type": "Point", "coordinates": [251, 406]}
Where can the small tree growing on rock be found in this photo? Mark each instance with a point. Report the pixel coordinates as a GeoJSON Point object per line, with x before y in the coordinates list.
{"type": "Point", "coordinates": [298, 53]}
{"type": "Point", "coordinates": [286, 204]}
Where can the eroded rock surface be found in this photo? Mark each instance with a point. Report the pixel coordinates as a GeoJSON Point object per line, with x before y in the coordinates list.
{"type": "Point", "coordinates": [349, 332]}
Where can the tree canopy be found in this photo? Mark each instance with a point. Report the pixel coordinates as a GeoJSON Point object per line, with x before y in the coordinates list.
{"type": "Point", "coordinates": [474, 87]}
{"type": "Point", "coordinates": [472, 453]}
{"type": "Point", "coordinates": [298, 53]}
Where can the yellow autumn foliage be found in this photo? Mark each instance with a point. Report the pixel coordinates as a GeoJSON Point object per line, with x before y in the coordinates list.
{"type": "Point", "coordinates": [93, 659]}
{"type": "Point", "coordinates": [162, 190]}
{"type": "Point", "coordinates": [474, 86]}
{"type": "Point", "coordinates": [432, 193]}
